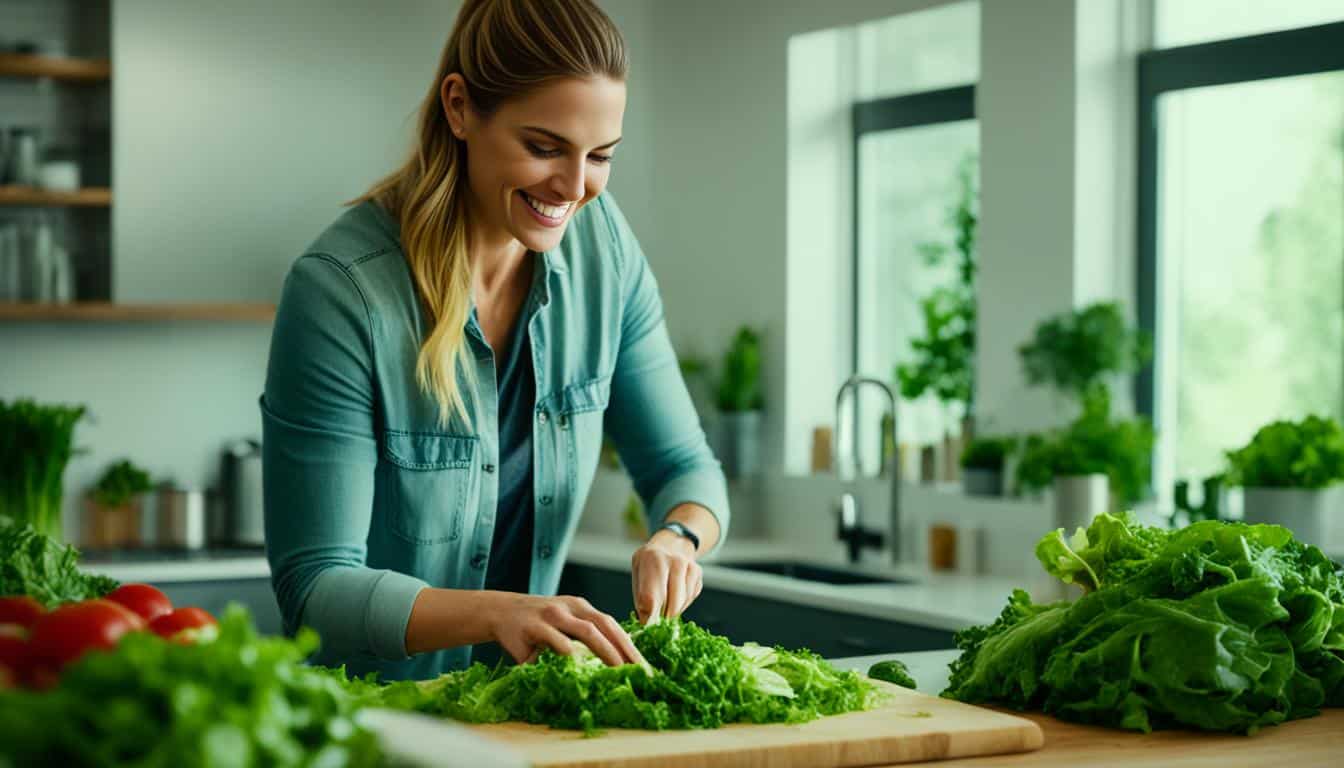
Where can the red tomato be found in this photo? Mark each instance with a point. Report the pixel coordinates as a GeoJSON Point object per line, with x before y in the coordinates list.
{"type": "Point", "coordinates": [143, 599]}
{"type": "Point", "coordinates": [6, 678]}
{"type": "Point", "coordinates": [39, 678]}
{"type": "Point", "coordinates": [68, 632]}
{"type": "Point", "coordinates": [181, 619]}
{"type": "Point", "coordinates": [23, 611]}
{"type": "Point", "coordinates": [13, 653]}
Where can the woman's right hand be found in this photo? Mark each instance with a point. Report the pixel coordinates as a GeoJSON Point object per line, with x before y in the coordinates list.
{"type": "Point", "coordinates": [525, 624]}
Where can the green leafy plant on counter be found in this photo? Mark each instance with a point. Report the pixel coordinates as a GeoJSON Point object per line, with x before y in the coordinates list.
{"type": "Point", "coordinates": [1094, 443]}
{"type": "Point", "coordinates": [1217, 626]}
{"type": "Point", "coordinates": [944, 357]}
{"type": "Point", "coordinates": [1287, 454]}
{"type": "Point", "coordinates": [1075, 351]}
{"type": "Point", "coordinates": [39, 566]}
{"type": "Point", "coordinates": [987, 453]}
{"type": "Point", "coordinates": [119, 482]}
{"type": "Point", "coordinates": [36, 442]}
{"type": "Point", "coordinates": [739, 387]}
{"type": "Point", "coordinates": [238, 700]}
{"type": "Point", "coordinates": [698, 680]}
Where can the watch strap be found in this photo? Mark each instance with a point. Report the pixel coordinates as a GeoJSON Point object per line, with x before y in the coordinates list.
{"type": "Point", "coordinates": [682, 531]}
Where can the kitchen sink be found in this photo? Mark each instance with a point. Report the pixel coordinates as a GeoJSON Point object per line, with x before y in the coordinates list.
{"type": "Point", "coordinates": [810, 572]}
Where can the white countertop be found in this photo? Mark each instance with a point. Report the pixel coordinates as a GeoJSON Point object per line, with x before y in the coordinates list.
{"type": "Point", "coordinates": [948, 601]}
{"type": "Point", "coordinates": [165, 567]}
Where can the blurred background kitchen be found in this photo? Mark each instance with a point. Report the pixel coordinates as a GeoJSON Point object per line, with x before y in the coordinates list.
{"type": "Point", "coordinates": [1092, 246]}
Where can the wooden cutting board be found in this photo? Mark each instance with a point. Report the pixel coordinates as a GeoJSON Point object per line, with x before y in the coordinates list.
{"type": "Point", "coordinates": [1313, 742]}
{"type": "Point", "coordinates": [911, 727]}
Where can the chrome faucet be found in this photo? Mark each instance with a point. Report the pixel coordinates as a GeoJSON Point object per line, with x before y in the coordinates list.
{"type": "Point", "coordinates": [848, 527]}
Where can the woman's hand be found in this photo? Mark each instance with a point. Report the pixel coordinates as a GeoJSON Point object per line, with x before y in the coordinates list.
{"type": "Point", "coordinates": [664, 575]}
{"type": "Point", "coordinates": [524, 624]}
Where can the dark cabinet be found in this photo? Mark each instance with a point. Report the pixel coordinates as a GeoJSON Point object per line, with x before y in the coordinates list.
{"type": "Point", "coordinates": [743, 618]}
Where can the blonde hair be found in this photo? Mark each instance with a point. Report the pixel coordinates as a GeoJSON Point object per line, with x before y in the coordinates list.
{"type": "Point", "coordinates": [503, 49]}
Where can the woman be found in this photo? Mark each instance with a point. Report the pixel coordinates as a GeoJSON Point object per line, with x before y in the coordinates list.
{"type": "Point", "coordinates": [446, 356]}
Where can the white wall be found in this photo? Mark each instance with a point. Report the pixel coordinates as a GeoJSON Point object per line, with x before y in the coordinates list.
{"type": "Point", "coordinates": [239, 130]}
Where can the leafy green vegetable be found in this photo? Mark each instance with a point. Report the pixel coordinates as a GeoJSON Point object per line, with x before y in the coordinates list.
{"type": "Point", "coordinates": [1286, 454]}
{"type": "Point", "coordinates": [119, 482]}
{"type": "Point", "coordinates": [239, 700]}
{"type": "Point", "coordinates": [36, 442]}
{"type": "Point", "coordinates": [893, 672]}
{"type": "Point", "coordinates": [700, 681]}
{"type": "Point", "coordinates": [1218, 626]}
{"type": "Point", "coordinates": [35, 565]}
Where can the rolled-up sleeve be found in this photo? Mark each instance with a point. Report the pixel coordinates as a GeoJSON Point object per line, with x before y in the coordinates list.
{"type": "Point", "coordinates": [319, 453]}
{"type": "Point", "coordinates": [651, 418]}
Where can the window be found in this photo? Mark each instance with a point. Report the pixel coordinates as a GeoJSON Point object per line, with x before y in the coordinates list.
{"type": "Point", "coordinates": [912, 153]}
{"type": "Point", "coordinates": [1241, 268]}
{"type": "Point", "coordinates": [1184, 22]}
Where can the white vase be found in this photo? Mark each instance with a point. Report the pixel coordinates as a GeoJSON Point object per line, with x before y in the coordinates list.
{"type": "Point", "coordinates": [1079, 499]}
{"type": "Point", "coordinates": [739, 442]}
{"type": "Point", "coordinates": [1307, 512]}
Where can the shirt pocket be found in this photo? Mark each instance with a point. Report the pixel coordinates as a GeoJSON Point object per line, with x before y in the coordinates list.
{"type": "Point", "coordinates": [431, 479]}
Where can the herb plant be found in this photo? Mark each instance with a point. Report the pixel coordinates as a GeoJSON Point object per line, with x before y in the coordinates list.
{"type": "Point", "coordinates": [1217, 626]}
{"type": "Point", "coordinates": [1094, 443]}
{"type": "Point", "coordinates": [986, 453]}
{"type": "Point", "coordinates": [1287, 454]}
{"type": "Point", "coordinates": [120, 481]}
{"type": "Point", "coordinates": [1073, 352]}
{"type": "Point", "coordinates": [740, 382]}
{"type": "Point", "coordinates": [36, 442]}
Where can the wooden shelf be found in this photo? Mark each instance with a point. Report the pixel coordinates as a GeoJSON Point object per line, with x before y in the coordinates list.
{"type": "Point", "coordinates": [76, 70]}
{"type": "Point", "coordinates": [107, 312]}
{"type": "Point", "coordinates": [87, 197]}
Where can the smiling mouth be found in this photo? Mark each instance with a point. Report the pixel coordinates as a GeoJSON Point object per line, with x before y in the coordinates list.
{"type": "Point", "coordinates": [545, 210]}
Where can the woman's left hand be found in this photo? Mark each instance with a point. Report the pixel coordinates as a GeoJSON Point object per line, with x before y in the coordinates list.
{"type": "Point", "coordinates": [665, 576]}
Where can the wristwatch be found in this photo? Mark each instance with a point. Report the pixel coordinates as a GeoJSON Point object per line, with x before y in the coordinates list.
{"type": "Point", "coordinates": [681, 531]}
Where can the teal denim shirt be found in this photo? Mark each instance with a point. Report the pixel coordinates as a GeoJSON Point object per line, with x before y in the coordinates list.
{"type": "Point", "coordinates": [368, 500]}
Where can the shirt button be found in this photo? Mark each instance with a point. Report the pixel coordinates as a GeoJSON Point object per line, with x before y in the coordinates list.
{"type": "Point", "coordinates": [563, 420]}
{"type": "Point", "coordinates": [478, 562]}
{"type": "Point", "coordinates": [488, 468]}
{"type": "Point", "coordinates": [545, 500]}
{"type": "Point", "coordinates": [541, 417]}
{"type": "Point", "coordinates": [545, 552]}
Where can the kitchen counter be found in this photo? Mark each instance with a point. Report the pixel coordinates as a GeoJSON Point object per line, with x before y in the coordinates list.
{"type": "Point", "coordinates": [171, 566]}
{"type": "Point", "coordinates": [946, 601]}
{"type": "Point", "coordinates": [1313, 741]}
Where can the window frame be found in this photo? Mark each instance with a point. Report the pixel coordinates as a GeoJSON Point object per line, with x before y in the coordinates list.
{"type": "Point", "coordinates": [1288, 53]}
{"type": "Point", "coordinates": [912, 110]}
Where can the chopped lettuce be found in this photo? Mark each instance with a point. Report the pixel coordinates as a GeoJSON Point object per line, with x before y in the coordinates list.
{"type": "Point", "coordinates": [893, 672]}
{"type": "Point", "coordinates": [699, 680]}
{"type": "Point", "coordinates": [1218, 626]}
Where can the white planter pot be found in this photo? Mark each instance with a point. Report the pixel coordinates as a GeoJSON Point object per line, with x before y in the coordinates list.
{"type": "Point", "coordinates": [1079, 499]}
{"type": "Point", "coordinates": [981, 482]}
{"type": "Point", "coordinates": [604, 509]}
{"type": "Point", "coordinates": [740, 442]}
{"type": "Point", "coordinates": [1307, 512]}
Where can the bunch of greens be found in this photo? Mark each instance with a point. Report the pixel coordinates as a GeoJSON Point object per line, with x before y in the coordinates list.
{"type": "Point", "coordinates": [944, 358]}
{"type": "Point", "coordinates": [237, 700]}
{"type": "Point", "coordinates": [36, 442]}
{"type": "Point", "coordinates": [698, 680]}
{"type": "Point", "coordinates": [38, 566]}
{"type": "Point", "coordinates": [1217, 626]}
{"type": "Point", "coordinates": [119, 483]}
{"type": "Point", "coordinates": [1074, 352]}
{"type": "Point", "coordinates": [740, 383]}
{"type": "Point", "coordinates": [1287, 454]}
{"type": "Point", "coordinates": [1092, 443]}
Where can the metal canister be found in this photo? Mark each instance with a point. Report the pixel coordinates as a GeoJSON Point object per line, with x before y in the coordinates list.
{"type": "Point", "coordinates": [181, 517]}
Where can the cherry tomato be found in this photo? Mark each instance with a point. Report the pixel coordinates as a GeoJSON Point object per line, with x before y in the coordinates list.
{"type": "Point", "coordinates": [143, 599]}
{"type": "Point", "coordinates": [68, 632]}
{"type": "Point", "coordinates": [180, 620]}
{"type": "Point", "coordinates": [13, 653]}
{"type": "Point", "coordinates": [22, 610]}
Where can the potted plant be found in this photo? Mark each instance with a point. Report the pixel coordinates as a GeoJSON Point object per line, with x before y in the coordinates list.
{"type": "Point", "coordinates": [1290, 473]}
{"type": "Point", "coordinates": [36, 443]}
{"type": "Point", "coordinates": [1074, 352]}
{"type": "Point", "coordinates": [982, 465]}
{"type": "Point", "coordinates": [739, 402]}
{"type": "Point", "coordinates": [944, 357]}
{"type": "Point", "coordinates": [112, 506]}
{"type": "Point", "coordinates": [1094, 464]}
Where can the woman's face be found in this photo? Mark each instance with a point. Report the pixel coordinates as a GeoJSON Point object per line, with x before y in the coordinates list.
{"type": "Point", "coordinates": [539, 158]}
